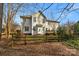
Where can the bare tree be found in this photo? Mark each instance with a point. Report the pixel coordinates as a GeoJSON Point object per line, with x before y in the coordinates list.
{"type": "Point", "coordinates": [1, 14]}
{"type": "Point", "coordinates": [11, 11]}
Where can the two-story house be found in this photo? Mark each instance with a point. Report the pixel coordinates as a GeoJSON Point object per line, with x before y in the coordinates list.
{"type": "Point", "coordinates": [37, 24]}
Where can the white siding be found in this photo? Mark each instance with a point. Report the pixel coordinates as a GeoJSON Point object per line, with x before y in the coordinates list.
{"type": "Point", "coordinates": [39, 20]}
{"type": "Point", "coordinates": [28, 23]}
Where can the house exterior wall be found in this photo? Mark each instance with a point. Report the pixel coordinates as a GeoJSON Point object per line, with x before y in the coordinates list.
{"type": "Point", "coordinates": [27, 23]}
{"type": "Point", "coordinates": [53, 26]}
{"type": "Point", "coordinates": [38, 24]}
{"type": "Point", "coordinates": [39, 21]}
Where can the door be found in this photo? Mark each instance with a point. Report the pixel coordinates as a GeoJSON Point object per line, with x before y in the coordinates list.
{"type": "Point", "coordinates": [40, 30]}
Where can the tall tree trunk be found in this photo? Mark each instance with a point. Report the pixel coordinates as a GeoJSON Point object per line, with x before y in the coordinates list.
{"type": "Point", "coordinates": [8, 22]}
{"type": "Point", "coordinates": [1, 14]}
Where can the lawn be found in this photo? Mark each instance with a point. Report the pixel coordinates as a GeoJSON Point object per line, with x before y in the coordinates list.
{"type": "Point", "coordinates": [73, 43]}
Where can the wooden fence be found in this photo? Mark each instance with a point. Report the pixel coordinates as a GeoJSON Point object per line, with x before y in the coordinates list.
{"type": "Point", "coordinates": [34, 38]}
{"type": "Point", "coordinates": [24, 39]}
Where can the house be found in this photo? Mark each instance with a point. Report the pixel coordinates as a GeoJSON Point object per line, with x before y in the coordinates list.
{"type": "Point", "coordinates": [37, 24]}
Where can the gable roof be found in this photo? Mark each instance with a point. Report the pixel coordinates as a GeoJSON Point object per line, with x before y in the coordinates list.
{"type": "Point", "coordinates": [52, 21]}
{"type": "Point", "coordinates": [42, 14]}
{"type": "Point", "coordinates": [26, 17]}
{"type": "Point", "coordinates": [29, 16]}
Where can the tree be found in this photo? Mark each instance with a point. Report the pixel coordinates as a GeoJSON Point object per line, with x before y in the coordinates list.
{"type": "Point", "coordinates": [13, 9]}
{"type": "Point", "coordinates": [76, 27]}
{"type": "Point", "coordinates": [9, 14]}
{"type": "Point", "coordinates": [1, 14]}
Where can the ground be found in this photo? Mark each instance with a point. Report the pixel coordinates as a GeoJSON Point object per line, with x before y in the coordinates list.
{"type": "Point", "coordinates": [39, 49]}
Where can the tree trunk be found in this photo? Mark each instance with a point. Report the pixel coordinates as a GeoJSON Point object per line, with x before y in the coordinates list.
{"type": "Point", "coordinates": [8, 23]}
{"type": "Point", "coordinates": [1, 14]}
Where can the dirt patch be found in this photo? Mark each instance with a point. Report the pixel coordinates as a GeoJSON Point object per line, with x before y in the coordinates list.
{"type": "Point", "coordinates": [41, 49]}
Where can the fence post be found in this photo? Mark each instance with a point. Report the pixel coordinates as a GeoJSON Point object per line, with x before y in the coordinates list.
{"type": "Point", "coordinates": [25, 40]}
{"type": "Point", "coordinates": [12, 40]}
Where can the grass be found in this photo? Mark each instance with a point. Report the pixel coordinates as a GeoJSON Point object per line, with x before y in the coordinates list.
{"type": "Point", "coordinates": [73, 43]}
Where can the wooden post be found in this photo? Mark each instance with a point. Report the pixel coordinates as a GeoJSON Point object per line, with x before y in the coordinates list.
{"type": "Point", "coordinates": [1, 14]}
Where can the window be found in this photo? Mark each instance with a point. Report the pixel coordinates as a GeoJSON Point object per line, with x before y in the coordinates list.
{"type": "Point", "coordinates": [48, 23]}
{"type": "Point", "coordinates": [34, 19]}
{"type": "Point", "coordinates": [43, 28]}
{"type": "Point", "coordinates": [26, 28]}
{"type": "Point", "coordinates": [39, 29]}
{"type": "Point", "coordinates": [34, 28]}
{"type": "Point", "coordinates": [43, 20]}
{"type": "Point", "coordinates": [46, 29]}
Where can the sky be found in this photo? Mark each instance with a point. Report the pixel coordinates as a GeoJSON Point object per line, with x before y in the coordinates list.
{"type": "Point", "coordinates": [52, 13]}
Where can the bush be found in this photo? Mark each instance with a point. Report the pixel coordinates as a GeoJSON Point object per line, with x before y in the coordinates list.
{"type": "Point", "coordinates": [73, 43]}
